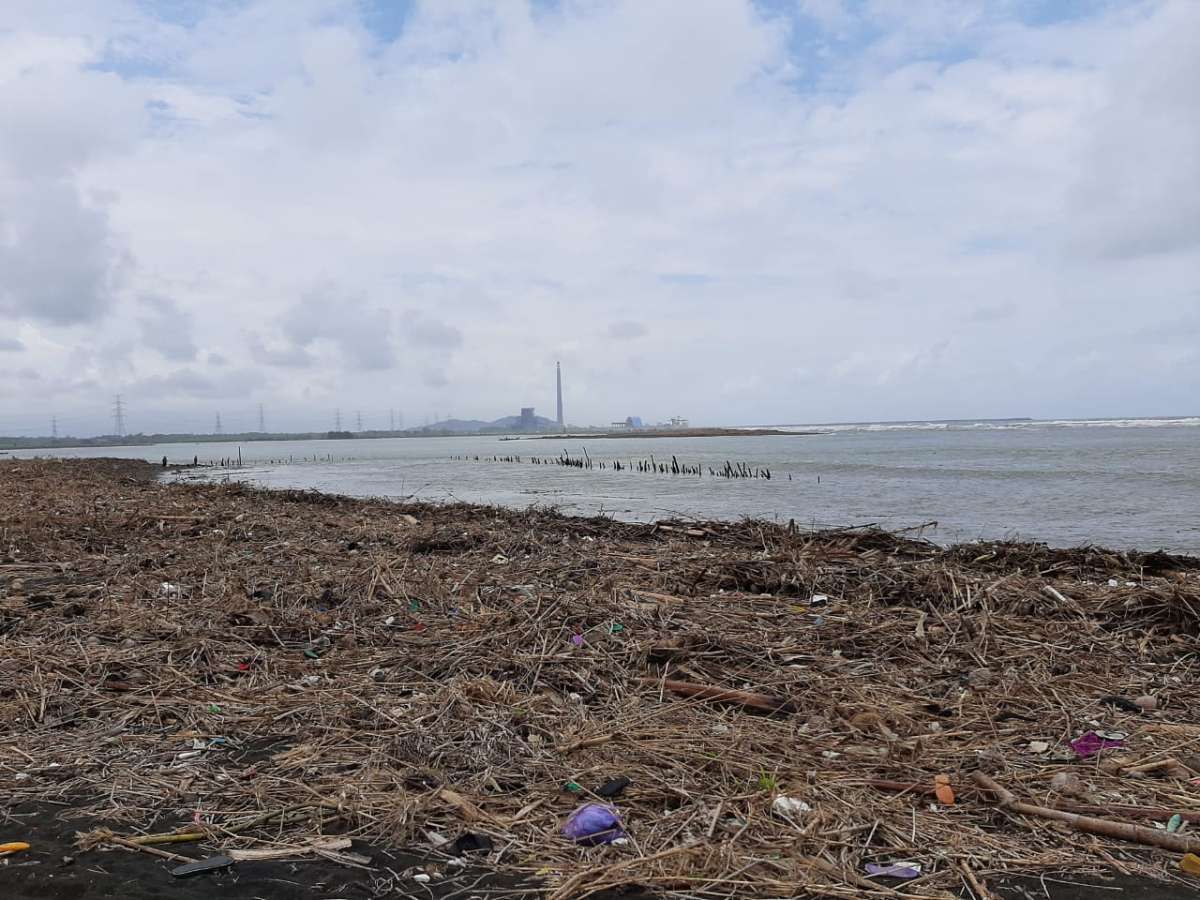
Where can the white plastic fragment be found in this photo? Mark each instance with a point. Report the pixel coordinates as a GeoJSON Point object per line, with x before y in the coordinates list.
{"type": "Point", "coordinates": [790, 807]}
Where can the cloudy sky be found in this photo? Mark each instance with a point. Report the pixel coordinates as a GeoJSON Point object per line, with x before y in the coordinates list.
{"type": "Point", "coordinates": [735, 211]}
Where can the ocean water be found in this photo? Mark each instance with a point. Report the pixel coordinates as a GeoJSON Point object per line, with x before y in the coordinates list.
{"type": "Point", "coordinates": [1131, 483]}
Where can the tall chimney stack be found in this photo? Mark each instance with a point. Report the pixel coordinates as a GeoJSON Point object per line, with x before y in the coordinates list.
{"type": "Point", "coordinates": [558, 372]}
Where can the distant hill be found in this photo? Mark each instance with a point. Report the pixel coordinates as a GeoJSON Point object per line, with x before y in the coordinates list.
{"type": "Point", "coordinates": [478, 426]}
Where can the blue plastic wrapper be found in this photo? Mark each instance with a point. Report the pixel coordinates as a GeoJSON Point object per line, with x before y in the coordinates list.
{"type": "Point", "coordinates": [593, 823]}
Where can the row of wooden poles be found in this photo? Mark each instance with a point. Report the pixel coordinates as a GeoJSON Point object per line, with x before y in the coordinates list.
{"type": "Point", "coordinates": [651, 465]}
{"type": "Point", "coordinates": [227, 462]}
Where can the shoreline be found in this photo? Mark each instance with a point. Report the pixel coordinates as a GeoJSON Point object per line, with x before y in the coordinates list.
{"type": "Point", "coordinates": [670, 433]}
{"type": "Point", "coordinates": [222, 651]}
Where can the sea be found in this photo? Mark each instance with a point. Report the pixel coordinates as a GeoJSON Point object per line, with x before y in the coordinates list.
{"type": "Point", "coordinates": [1119, 483]}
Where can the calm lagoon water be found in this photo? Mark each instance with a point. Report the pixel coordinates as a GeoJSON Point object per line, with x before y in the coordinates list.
{"type": "Point", "coordinates": [1133, 483]}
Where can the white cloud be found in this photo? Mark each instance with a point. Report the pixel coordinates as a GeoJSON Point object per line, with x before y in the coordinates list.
{"type": "Point", "coordinates": [905, 202]}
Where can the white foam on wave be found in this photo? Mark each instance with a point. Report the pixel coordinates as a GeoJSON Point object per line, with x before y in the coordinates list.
{"type": "Point", "coordinates": [989, 425]}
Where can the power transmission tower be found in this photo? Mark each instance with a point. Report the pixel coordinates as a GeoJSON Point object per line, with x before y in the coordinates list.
{"type": "Point", "coordinates": [54, 427]}
{"type": "Point", "coordinates": [218, 431]}
{"type": "Point", "coordinates": [262, 421]}
{"type": "Point", "coordinates": [359, 416]}
{"type": "Point", "coordinates": [337, 420]}
{"type": "Point", "coordinates": [119, 416]}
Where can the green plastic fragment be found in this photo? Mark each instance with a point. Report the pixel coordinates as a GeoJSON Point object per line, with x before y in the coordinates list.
{"type": "Point", "coordinates": [312, 654]}
{"type": "Point", "coordinates": [573, 786]}
{"type": "Point", "coordinates": [214, 708]}
{"type": "Point", "coordinates": [617, 628]}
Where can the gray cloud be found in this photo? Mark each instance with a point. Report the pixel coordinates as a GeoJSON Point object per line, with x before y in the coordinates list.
{"type": "Point", "coordinates": [10, 345]}
{"type": "Point", "coordinates": [993, 312]}
{"type": "Point", "coordinates": [1138, 192]}
{"type": "Point", "coordinates": [425, 331]}
{"type": "Point", "coordinates": [60, 264]}
{"type": "Point", "coordinates": [286, 356]}
{"type": "Point", "coordinates": [362, 334]}
{"type": "Point", "coordinates": [190, 383]}
{"type": "Point", "coordinates": [626, 330]}
{"type": "Point", "coordinates": [434, 378]}
{"type": "Point", "coordinates": [167, 329]}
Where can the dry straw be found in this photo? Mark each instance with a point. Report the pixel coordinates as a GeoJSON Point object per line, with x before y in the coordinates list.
{"type": "Point", "coordinates": [212, 668]}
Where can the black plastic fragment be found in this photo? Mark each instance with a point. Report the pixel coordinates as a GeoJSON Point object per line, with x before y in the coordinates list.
{"type": "Point", "coordinates": [1122, 704]}
{"type": "Point", "coordinates": [470, 842]}
{"type": "Point", "coordinates": [613, 787]}
{"type": "Point", "coordinates": [204, 865]}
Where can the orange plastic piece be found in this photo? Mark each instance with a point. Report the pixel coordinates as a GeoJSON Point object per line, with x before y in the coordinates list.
{"type": "Point", "coordinates": [1190, 863]}
{"type": "Point", "coordinates": [13, 847]}
{"type": "Point", "coordinates": [941, 787]}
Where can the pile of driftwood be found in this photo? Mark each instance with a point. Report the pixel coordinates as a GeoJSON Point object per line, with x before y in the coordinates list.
{"type": "Point", "coordinates": [211, 669]}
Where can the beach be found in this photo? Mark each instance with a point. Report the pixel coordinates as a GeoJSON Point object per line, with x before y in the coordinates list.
{"type": "Point", "coordinates": [768, 710]}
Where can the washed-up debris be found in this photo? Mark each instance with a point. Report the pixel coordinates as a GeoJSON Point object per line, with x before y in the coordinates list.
{"type": "Point", "coordinates": [316, 846]}
{"type": "Point", "coordinates": [1092, 742]}
{"type": "Point", "coordinates": [942, 790]}
{"type": "Point", "coordinates": [716, 698]}
{"type": "Point", "coordinates": [613, 787]}
{"type": "Point", "coordinates": [1122, 703]}
{"type": "Point", "coordinates": [470, 842]}
{"type": "Point", "coordinates": [904, 870]}
{"type": "Point", "coordinates": [593, 823]}
{"type": "Point", "coordinates": [212, 864]}
{"type": "Point", "coordinates": [789, 807]}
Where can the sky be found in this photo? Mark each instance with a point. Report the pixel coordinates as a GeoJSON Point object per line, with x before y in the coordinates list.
{"type": "Point", "coordinates": [736, 211]}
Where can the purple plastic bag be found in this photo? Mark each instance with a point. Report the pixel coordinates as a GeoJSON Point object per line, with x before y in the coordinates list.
{"type": "Point", "coordinates": [1089, 744]}
{"type": "Point", "coordinates": [593, 823]}
{"type": "Point", "coordinates": [893, 870]}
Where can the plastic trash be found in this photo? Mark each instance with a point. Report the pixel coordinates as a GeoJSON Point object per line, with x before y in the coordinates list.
{"type": "Point", "coordinates": [1122, 704]}
{"type": "Point", "coordinates": [204, 865]}
{"type": "Point", "coordinates": [1190, 863]}
{"type": "Point", "coordinates": [613, 787]}
{"type": "Point", "coordinates": [1174, 823]}
{"type": "Point", "coordinates": [895, 870]}
{"type": "Point", "coordinates": [1066, 783]}
{"type": "Point", "coordinates": [577, 640]}
{"type": "Point", "coordinates": [470, 842]}
{"type": "Point", "coordinates": [789, 807]}
{"type": "Point", "coordinates": [1147, 703]}
{"type": "Point", "coordinates": [13, 847]}
{"type": "Point", "coordinates": [1092, 742]}
{"type": "Point", "coordinates": [593, 823]}
{"type": "Point", "coordinates": [942, 790]}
